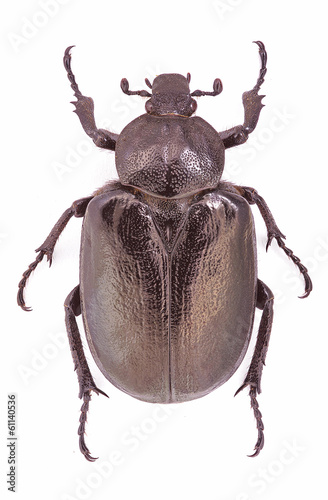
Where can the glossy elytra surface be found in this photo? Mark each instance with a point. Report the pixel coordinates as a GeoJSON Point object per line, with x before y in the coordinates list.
{"type": "Point", "coordinates": [164, 318]}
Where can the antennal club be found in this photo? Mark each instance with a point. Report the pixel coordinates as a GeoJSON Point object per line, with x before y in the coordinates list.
{"type": "Point", "coordinates": [217, 89]}
{"type": "Point", "coordinates": [125, 89]}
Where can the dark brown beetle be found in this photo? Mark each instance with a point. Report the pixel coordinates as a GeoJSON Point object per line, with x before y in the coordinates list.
{"type": "Point", "coordinates": [168, 272]}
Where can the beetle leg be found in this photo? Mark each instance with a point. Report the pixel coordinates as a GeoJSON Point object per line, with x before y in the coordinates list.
{"type": "Point", "coordinates": [78, 209]}
{"type": "Point", "coordinates": [86, 382]}
{"type": "Point", "coordinates": [252, 103]}
{"type": "Point", "coordinates": [254, 374]}
{"type": "Point", "coordinates": [252, 196]}
{"type": "Point", "coordinates": [85, 111]}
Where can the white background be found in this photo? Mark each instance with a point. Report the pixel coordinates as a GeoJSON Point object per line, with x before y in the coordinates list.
{"type": "Point", "coordinates": [197, 449]}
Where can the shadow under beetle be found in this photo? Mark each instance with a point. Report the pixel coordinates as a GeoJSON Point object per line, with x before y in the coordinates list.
{"type": "Point", "coordinates": [168, 269]}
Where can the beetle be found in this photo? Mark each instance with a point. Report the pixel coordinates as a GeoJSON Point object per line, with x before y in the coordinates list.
{"type": "Point", "coordinates": [168, 268]}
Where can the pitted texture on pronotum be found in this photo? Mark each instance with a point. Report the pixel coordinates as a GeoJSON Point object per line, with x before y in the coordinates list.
{"type": "Point", "coordinates": [176, 156]}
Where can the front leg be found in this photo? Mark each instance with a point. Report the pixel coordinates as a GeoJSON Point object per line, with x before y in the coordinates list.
{"type": "Point", "coordinates": [85, 111]}
{"type": "Point", "coordinates": [252, 106]}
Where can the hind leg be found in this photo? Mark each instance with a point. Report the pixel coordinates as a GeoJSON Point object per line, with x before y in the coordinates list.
{"type": "Point", "coordinates": [86, 382]}
{"type": "Point", "coordinates": [254, 374]}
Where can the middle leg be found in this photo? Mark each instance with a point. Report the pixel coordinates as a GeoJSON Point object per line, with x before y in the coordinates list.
{"type": "Point", "coordinates": [253, 198]}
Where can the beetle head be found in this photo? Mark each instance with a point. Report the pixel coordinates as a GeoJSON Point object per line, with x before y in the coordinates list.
{"type": "Point", "coordinates": [171, 94]}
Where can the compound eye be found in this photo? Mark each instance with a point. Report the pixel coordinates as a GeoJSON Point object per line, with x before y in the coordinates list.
{"type": "Point", "coordinates": [193, 105]}
{"type": "Point", "coordinates": [149, 107]}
